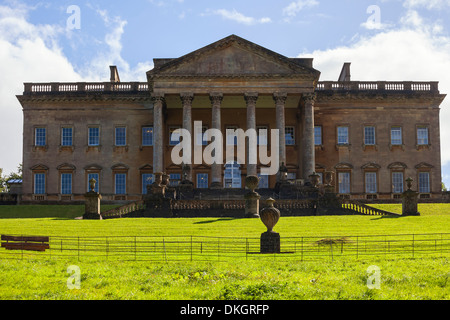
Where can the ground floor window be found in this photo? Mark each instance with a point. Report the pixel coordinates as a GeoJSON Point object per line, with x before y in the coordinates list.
{"type": "Point", "coordinates": [424, 182]}
{"type": "Point", "coordinates": [202, 181]}
{"type": "Point", "coordinates": [175, 179]}
{"type": "Point", "coordinates": [397, 182]}
{"type": "Point", "coordinates": [371, 182]}
{"type": "Point", "coordinates": [120, 183]}
{"type": "Point", "coordinates": [233, 175]}
{"type": "Point", "coordinates": [263, 181]}
{"type": "Point", "coordinates": [39, 183]}
{"type": "Point", "coordinates": [344, 182]}
{"type": "Point", "coordinates": [66, 183]}
{"type": "Point", "coordinates": [147, 179]}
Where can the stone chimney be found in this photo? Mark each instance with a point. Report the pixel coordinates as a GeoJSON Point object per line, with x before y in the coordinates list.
{"type": "Point", "coordinates": [345, 73]}
{"type": "Point", "coordinates": [114, 74]}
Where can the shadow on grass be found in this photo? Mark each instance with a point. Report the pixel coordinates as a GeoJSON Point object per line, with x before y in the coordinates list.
{"type": "Point", "coordinates": [389, 217]}
{"type": "Point", "coordinates": [213, 221]}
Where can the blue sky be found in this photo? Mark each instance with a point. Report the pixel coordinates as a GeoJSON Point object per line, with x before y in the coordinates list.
{"type": "Point", "coordinates": [384, 40]}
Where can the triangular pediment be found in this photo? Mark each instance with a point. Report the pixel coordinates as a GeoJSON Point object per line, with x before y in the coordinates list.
{"type": "Point", "coordinates": [232, 56]}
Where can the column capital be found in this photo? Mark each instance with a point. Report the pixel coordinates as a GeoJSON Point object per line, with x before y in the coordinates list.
{"type": "Point", "coordinates": [216, 97]}
{"type": "Point", "coordinates": [280, 97]}
{"type": "Point", "coordinates": [309, 97]}
{"type": "Point", "coordinates": [158, 97]}
{"type": "Point", "coordinates": [187, 97]}
{"type": "Point", "coordinates": [251, 97]}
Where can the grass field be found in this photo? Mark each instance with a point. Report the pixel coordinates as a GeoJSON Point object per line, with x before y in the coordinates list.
{"type": "Point", "coordinates": [264, 279]}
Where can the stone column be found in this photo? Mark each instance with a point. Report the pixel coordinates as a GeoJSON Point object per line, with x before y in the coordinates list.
{"type": "Point", "coordinates": [251, 99]}
{"type": "Point", "coordinates": [308, 149]}
{"type": "Point", "coordinates": [186, 99]}
{"type": "Point", "coordinates": [216, 169]}
{"type": "Point", "coordinates": [280, 102]}
{"type": "Point", "coordinates": [158, 133]}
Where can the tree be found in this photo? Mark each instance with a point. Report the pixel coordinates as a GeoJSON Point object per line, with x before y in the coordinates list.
{"type": "Point", "coordinates": [444, 188]}
{"type": "Point", "coordinates": [4, 185]}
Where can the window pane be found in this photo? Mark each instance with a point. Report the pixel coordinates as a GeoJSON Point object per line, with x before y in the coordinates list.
{"type": "Point", "coordinates": [290, 136]}
{"type": "Point", "coordinates": [369, 135]}
{"type": "Point", "coordinates": [422, 136]}
{"type": "Point", "coordinates": [263, 181]}
{"type": "Point", "coordinates": [397, 182]}
{"type": "Point", "coordinates": [318, 136]}
{"type": "Point", "coordinates": [66, 183]}
{"type": "Point", "coordinates": [202, 181]}
{"type": "Point", "coordinates": [39, 183]}
{"type": "Point", "coordinates": [424, 182]}
{"type": "Point", "coordinates": [175, 179]}
{"type": "Point", "coordinates": [94, 176]}
{"type": "Point", "coordinates": [262, 135]}
{"type": "Point", "coordinates": [121, 184]}
{"type": "Point", "coordinates": [94, 136]}
{"type": "Point", "coordinates": [344, 182]}
{"type": "Point", "coordinates": [396, 136]}
{"type": "Point", "coordinates": [371, 182]}
{"type": "Point", "coordinates": [232, 175]}
{"type": "Point", "coordinates": [342, 135]}
{"type": "Point", "coordinates": [66, 137]}
{"type": "Point", "coordinates": [147, 179]}
{"type": "Point", "coordinates": [121, 136]}
{"type": "Point", "coordinates": [147, 136]}
{"type": "Point", "coordinates": [40, 137]}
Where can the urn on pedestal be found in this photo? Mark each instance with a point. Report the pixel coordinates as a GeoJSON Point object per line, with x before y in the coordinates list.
{"type": "Point", "coordinates": [270, 240]}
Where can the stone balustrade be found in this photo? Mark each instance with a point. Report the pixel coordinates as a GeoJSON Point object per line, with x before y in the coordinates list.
{"type": "Point", "coordinates": [130, 87]}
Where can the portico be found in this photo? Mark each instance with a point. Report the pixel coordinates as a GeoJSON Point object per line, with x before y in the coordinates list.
{"type": "Point", "coordinates": [233, 73]}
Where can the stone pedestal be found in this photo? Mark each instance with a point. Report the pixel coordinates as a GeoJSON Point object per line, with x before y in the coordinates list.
{"type": "Point", "coordinates": [92, 206]}
{"type": "Point", "coordinates": [252, 198]}
{"type": "Point", "coordinates": [270, 242]}
{"type": "Point", "coordinates": [410, 200]}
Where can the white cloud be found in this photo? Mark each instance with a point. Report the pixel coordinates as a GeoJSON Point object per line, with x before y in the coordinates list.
{"type": "Point", "coordinates": [30, 53]}
{"type": "Point", "coordinates": [239, 17]}
{"type": "Point", "coordinates": [295, 7]}
{"type": "Point", "coordinates": [429, 4]}
{"type": "Point", "coordinates": [414, 52]}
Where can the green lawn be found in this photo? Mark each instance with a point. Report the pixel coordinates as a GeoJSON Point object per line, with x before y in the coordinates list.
{"type": "Point", "coordinates": [266, 279]}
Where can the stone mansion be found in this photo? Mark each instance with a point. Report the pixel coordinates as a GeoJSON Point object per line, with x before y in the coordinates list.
{"type": "Point", "coordinates": [371, 135]}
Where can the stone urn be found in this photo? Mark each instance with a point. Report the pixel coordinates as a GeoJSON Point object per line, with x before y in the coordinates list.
{"type": "Point", "coordinates": [329, 178]}
{"type": "Point", "coordinates": [409, 182]}
{"type": "Point", "coordinates": [315, 179]}
{"type": "Point", "coordinates": [165, 179]}
{"type": "Point", "coordinates": [252, 182]}
{"type": "Point", "coordinates": [92, 183]}
{"type": "Point", "coordinates": [270, 215]}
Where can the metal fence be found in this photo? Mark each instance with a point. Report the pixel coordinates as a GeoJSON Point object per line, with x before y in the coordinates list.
{"type": "Point", "coordinates": [221, 249]}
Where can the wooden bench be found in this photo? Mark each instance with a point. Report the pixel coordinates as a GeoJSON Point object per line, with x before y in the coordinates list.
{"type": "Point", "coordinates": [25, 243]}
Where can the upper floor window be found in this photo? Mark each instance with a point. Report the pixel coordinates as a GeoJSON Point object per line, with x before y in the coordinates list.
{"type": "Point", "coordinates": [40, 137]}
{"type": "Point", "coordinates": [94, 136]}
{"type": "Point", "coordinates": [147, 136]}
{"type": "Point", "coordinates": [396, 136]}
{"type": "Point", "coordinates": [342, 133]}
{"type": "Point", "coordinates": [121, 136]}
{"type": "Point", "coordinates": [290, 136]}
{"type": "Point", "coordinates": [66, 137]}
{"type": "Point", "coordinates": [369, 136]}
{"type": "Point", "coordinates": [422, 135]}
{"type": "Point", "coordinates": [318, 136]}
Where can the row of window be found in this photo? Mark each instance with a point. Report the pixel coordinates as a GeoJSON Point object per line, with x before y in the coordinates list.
{"type": "Point", "coordinates": [371, 185]}
{"type": "Point", "coordinates": [232, 179]}
{"type": "Point", "coordinates": [120, 137]}
{"type": "Point", "coordinates": [396, 135]}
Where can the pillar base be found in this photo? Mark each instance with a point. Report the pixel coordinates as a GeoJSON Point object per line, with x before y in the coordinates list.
{"type": "Point", "coordinates": [270, 242]}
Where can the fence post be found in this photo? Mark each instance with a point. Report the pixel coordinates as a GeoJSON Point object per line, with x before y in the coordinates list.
{"type": "Point", "coordinates": [357, 244]}
{"type": "Point", "coordinates": [135, 249]}
{"type": "Point", "coordinates": [413, 246]}
{"type": "Point", "coordinates": [191, 248]}
{"type": "Point", "coordinates": [302, 251]}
